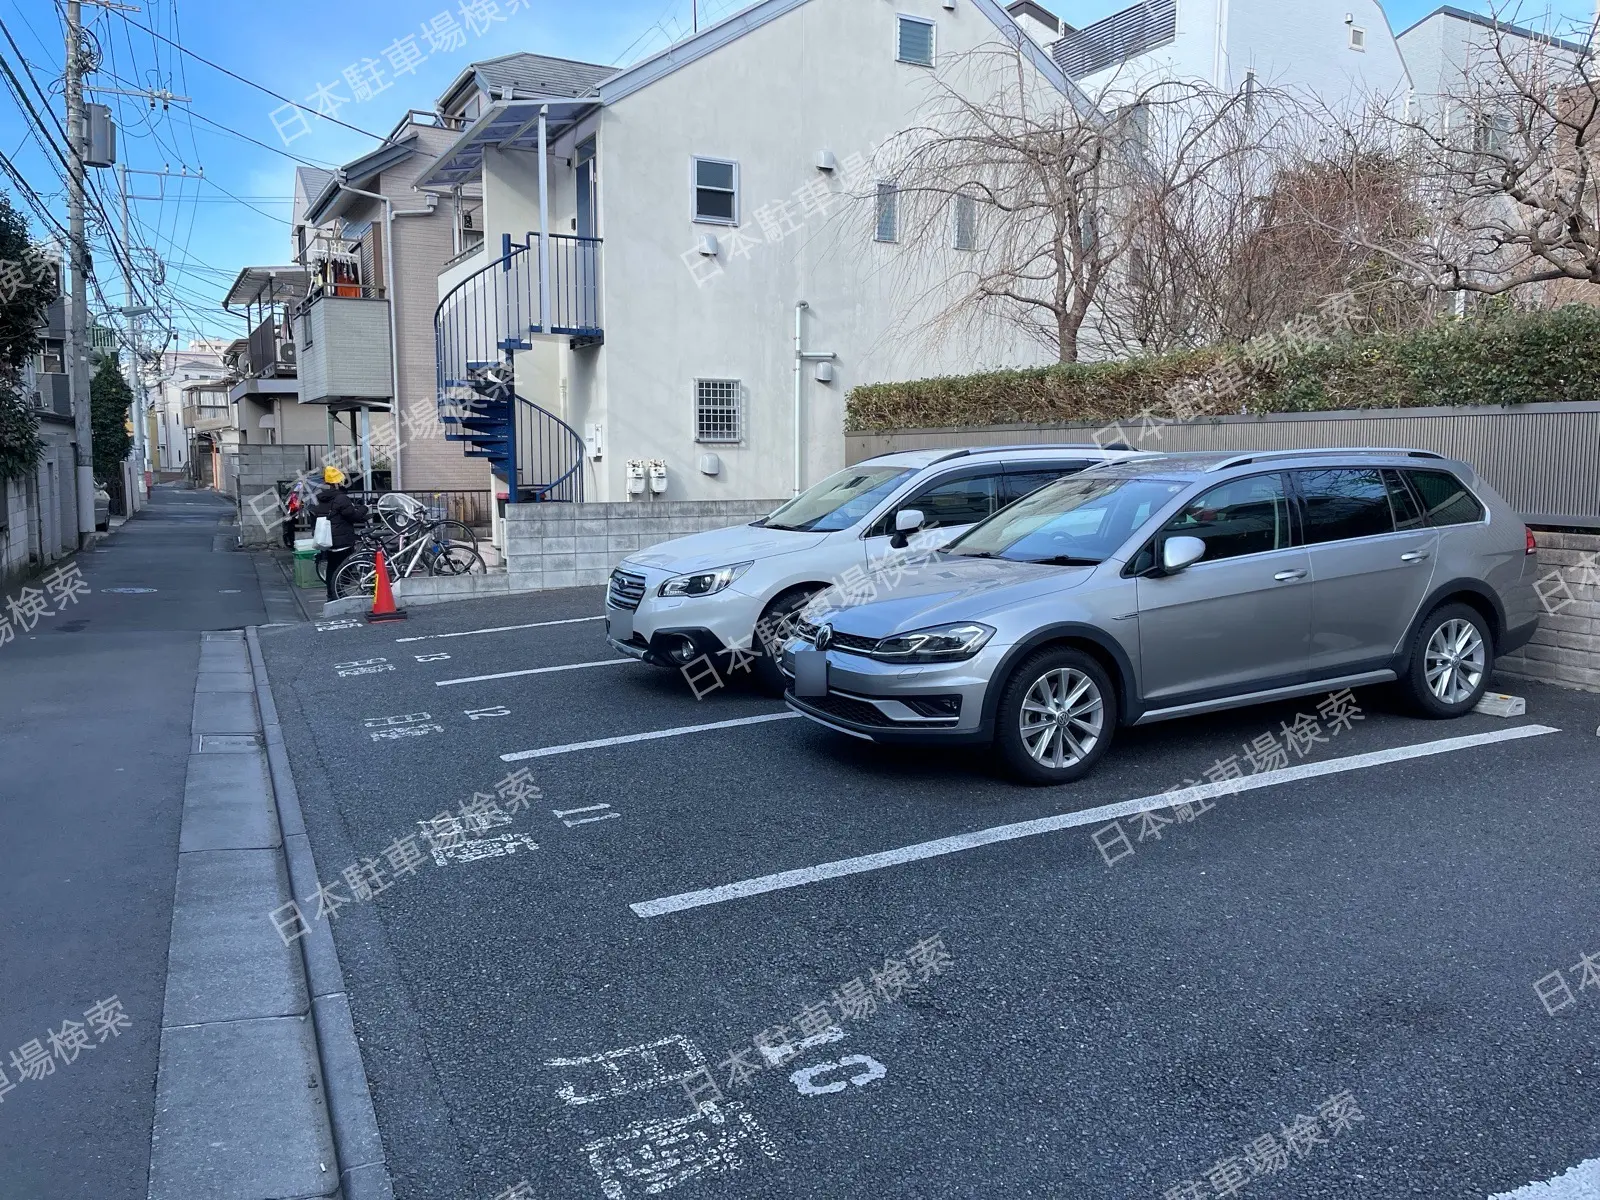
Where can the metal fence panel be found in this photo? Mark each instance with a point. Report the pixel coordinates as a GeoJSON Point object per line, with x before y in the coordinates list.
{"type": "Point", "coordinates": [1543, 458]}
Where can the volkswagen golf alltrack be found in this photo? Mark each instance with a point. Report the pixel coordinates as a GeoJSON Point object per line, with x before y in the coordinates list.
{"type": "Point", "coordinates": [1169, 586]}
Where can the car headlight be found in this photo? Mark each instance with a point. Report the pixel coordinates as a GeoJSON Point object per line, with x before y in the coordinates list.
{"type": "Point", "coordinates": [703, 583]}
{"type": "Point", "coordinates": [941, 643]}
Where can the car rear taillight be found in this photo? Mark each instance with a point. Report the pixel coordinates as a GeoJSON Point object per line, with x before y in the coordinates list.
{"type": "Point", "coordinates": [1533, 546]}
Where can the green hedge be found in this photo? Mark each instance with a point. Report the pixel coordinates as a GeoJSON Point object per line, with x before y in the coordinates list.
{"type": "Point", "coordinates": [1506, 358]}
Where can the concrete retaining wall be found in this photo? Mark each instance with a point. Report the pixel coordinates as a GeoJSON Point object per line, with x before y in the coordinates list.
{"type": "Point", "coordinates": [570, 545]}
{"type": "Point", "coordinates": [1566, 650]}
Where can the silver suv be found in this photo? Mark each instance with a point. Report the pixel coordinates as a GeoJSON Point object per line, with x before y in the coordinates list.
{"type": "Point", "coordinates": [1164, 587]}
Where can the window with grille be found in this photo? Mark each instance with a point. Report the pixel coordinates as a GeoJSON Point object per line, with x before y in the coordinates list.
{"type": "Point", "coordinates": [914, 42]}
{"type": "Point", "coordinates": [716, 191]}
{"type": "Point", "coordinates": [888, 213]}
{"type": "Point", "coordinates": [966, 220]}
{"type": "Point", "coordinates": [716, 410]}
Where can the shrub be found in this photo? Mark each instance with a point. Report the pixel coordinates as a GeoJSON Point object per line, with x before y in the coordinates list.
{"type": "Point", "coordinates": [1498, 358]}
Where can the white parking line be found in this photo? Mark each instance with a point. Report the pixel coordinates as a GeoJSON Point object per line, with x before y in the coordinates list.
{"type": "Point", "coordinates": [604, 662]}
{"type": "Point", "coordinates": [1092, 816]}
{"type": "Point", "coordinates": [499, 629]}
{"type": "Point", "coordinates": [1580, 1183]}
{"type": "Point", "coordinates": [546, 751]}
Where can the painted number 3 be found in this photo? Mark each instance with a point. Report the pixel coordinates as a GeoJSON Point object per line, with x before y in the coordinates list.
{"type": "Point", "coordinates": [805, 1079]}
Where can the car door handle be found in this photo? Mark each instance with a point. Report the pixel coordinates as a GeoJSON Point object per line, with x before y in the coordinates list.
{"type": "Point", "coordinates": [1414, 556]}
{"type": "Point", "coordinates": [1284, 576]}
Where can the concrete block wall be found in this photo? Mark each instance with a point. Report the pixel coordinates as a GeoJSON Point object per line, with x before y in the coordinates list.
{"type": "Point", "coordinates": [570, 545]}
{"type": "Point", "coordinates": [1566, 649]}
{"type": "Point", "coordinates": [260, 469]}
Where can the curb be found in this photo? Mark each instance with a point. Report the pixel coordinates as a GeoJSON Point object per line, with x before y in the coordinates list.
{"type": "Point", "coordinates": [363, 1169]}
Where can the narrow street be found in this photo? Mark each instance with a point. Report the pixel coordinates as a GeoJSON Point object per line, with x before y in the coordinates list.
{"type": "Point", "coordinates": [98, 700]}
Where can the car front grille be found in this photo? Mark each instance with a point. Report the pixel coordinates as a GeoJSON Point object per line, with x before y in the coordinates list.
{"type": "Point", "coordinates": [853, 643]}
{"type": "Point", "coordinates": [626, 589]}
{"type": "Point", "coordinates": [847, 708]}
{"type": "Point", "coordinates": [850, 643]}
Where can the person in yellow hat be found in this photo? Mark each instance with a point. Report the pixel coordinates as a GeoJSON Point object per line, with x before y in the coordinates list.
{"type": "Point", "coordinates": [343, 514]}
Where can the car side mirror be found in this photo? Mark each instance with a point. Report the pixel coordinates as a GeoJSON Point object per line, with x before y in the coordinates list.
{"type": "Point", "coordinates": [1180, 553]}
{"type": "Point", "coordinates": [906, 522]}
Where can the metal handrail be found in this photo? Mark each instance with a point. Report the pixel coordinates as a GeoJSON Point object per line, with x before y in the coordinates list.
{"type": "Point", "coordinates": [478, 323]}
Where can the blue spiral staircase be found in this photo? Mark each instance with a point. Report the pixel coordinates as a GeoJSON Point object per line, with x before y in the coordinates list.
{"type": "Point", "coordinates": [479, 326]}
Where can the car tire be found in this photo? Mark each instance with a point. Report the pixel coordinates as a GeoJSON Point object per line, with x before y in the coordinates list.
{"type": "Point", "coordinates": [1036, 747]}
{"type": "Point", "coordinates": [1450, 661]}
{"type": "Point", "coordinates": [769, 677]}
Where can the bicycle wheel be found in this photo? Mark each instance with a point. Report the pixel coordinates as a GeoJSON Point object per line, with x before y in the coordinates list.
{"type": "Point", "coordinates": [322, 567]}
{"type": "Point", "coordinates": [454, 531]}
{"type": "Point", "coordinates": [358, 576]}
{"type": "Point", "coordinates": [456, 559]}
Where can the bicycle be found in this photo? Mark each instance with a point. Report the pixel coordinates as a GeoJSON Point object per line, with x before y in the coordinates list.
{"type": "Point", "coordinates": [398, 517]}
{"type": "Point", "coordinates": [357, 576]}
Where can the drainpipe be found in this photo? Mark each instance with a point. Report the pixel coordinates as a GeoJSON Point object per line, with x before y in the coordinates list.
{"type": "Point", "coordinates": [799, 330]}
{"type": "Point", "coordinates": [544, 224]}
{"type": "Point", "coordinates": [801, 357]}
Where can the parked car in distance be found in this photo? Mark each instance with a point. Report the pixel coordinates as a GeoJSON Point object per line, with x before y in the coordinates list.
{"type": "Point", "coordinates": [102, 508]}
{"type": "Point", "coordinates": [708, 592]}
{"type": "Point", "coordinates": [1164, 587]}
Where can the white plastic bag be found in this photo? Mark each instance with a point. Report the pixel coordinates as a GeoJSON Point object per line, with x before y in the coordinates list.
{"type": "Point", "coordinates": [322, 535]}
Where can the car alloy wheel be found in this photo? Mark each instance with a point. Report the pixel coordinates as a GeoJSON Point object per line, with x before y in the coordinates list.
{"type": "Point", "coordinates": [1056, 716]}
{"type": "Point", "coordinates": [1061, 719]}
{"type": "Point", "coordinates": [1451, 659]}
{"type": "Point", "coordinates": [1454, 661]}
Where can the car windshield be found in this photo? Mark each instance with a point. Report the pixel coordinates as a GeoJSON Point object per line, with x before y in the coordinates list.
{"type": "Point", "coordinates": [1077, 521]}
{"type": "Point", "coordinates": [839, 501]}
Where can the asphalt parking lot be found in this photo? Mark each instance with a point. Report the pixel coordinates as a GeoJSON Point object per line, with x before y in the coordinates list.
{"type": "Point", "coordinates": [1334, 981]}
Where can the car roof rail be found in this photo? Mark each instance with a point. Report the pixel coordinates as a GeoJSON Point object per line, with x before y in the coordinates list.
{"type": "Point", "coordinates": [1240, 460]}
{"type": "Point", "coordinates": [1086, 446]}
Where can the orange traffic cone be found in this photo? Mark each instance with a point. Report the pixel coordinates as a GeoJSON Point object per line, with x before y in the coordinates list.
{"type": "Point", "coordinates": [383, 608]}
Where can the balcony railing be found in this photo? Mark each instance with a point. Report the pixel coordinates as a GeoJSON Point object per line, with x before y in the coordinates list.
{"type": "Point", "coordinates": [55, 393]}
{"type": "Point", "coordinates": [270, 352]}
{"type": "Point", "coordinates": [345, 352]}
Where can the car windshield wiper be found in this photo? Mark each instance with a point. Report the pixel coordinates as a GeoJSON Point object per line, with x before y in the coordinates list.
{"type": "Point", "coordinates": [786, 528]}
{"type": "Point", "coordinates": [1068, 560]}
{"type": "Point", "coordinates": [972, 554]}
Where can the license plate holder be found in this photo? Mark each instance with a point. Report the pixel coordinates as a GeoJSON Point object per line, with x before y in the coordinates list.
{"type": "Point", "coordinates": [619, 624]}
{"type": "Point", "coordinates": [810, 673]}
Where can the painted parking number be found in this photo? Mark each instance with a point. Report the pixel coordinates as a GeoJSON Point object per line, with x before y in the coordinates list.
{"type": "Point", "coordinates": [402, 725]}
{"type": "Point", "coordinates": [431, 657]}
{"type": "Point", "coordinates": [870, 1071]}
{"type": "Point", "coordinates": [363, 666]}
{"type": "Point", "coordinates": [494, 710]}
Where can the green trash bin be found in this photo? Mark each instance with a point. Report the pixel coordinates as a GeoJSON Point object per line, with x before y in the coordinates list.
{"type": "Point", "coordinates": [305, 569]}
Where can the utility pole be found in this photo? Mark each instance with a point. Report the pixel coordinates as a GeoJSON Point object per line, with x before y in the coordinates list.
{"type": "Point", "coordinates": [78, 253]}
{"type": "Point", "coordinates": [132, 315]}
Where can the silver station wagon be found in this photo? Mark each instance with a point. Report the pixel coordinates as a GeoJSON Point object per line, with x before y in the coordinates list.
{"type": "Point", "coordinates": [1170, 586]}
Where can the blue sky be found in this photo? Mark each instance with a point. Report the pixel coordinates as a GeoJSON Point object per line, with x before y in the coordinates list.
{"type": "Point", "coordinates": [205, 230]}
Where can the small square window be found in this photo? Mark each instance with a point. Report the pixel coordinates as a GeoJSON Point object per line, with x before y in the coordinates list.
{"type": "Point", "coordinates": [914, 42]}
{"type": "Point", "coordinates": [716, 410]}
{"type": "Point", "coordinates": [966, 219]}
{"type": "Point", "coordinates": [1358, 38]}
{"type": "Point", "coordinates": [888, 213]}
{"type": "Point", "coordinates": [716, 191]}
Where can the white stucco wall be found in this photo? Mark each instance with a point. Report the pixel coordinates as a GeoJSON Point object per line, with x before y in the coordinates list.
{"type": "Point", "coordinates": [1301, 46]}
{"type": "Point", "coordinates": [1448, 56]}
{"type": "Point", "coordinates": [823, 76]}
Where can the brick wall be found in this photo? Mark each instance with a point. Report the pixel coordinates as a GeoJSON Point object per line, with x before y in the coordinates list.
{"type": "Point", "coordinates": [1566, 649]}
{"type": "Point", "coordinates": [569, 545]}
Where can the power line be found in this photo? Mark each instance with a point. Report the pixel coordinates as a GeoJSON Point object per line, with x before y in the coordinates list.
{"type": "Point", "coordinates": [252, 83]}
{"type": "Point", "coordinates": [42, 136]}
